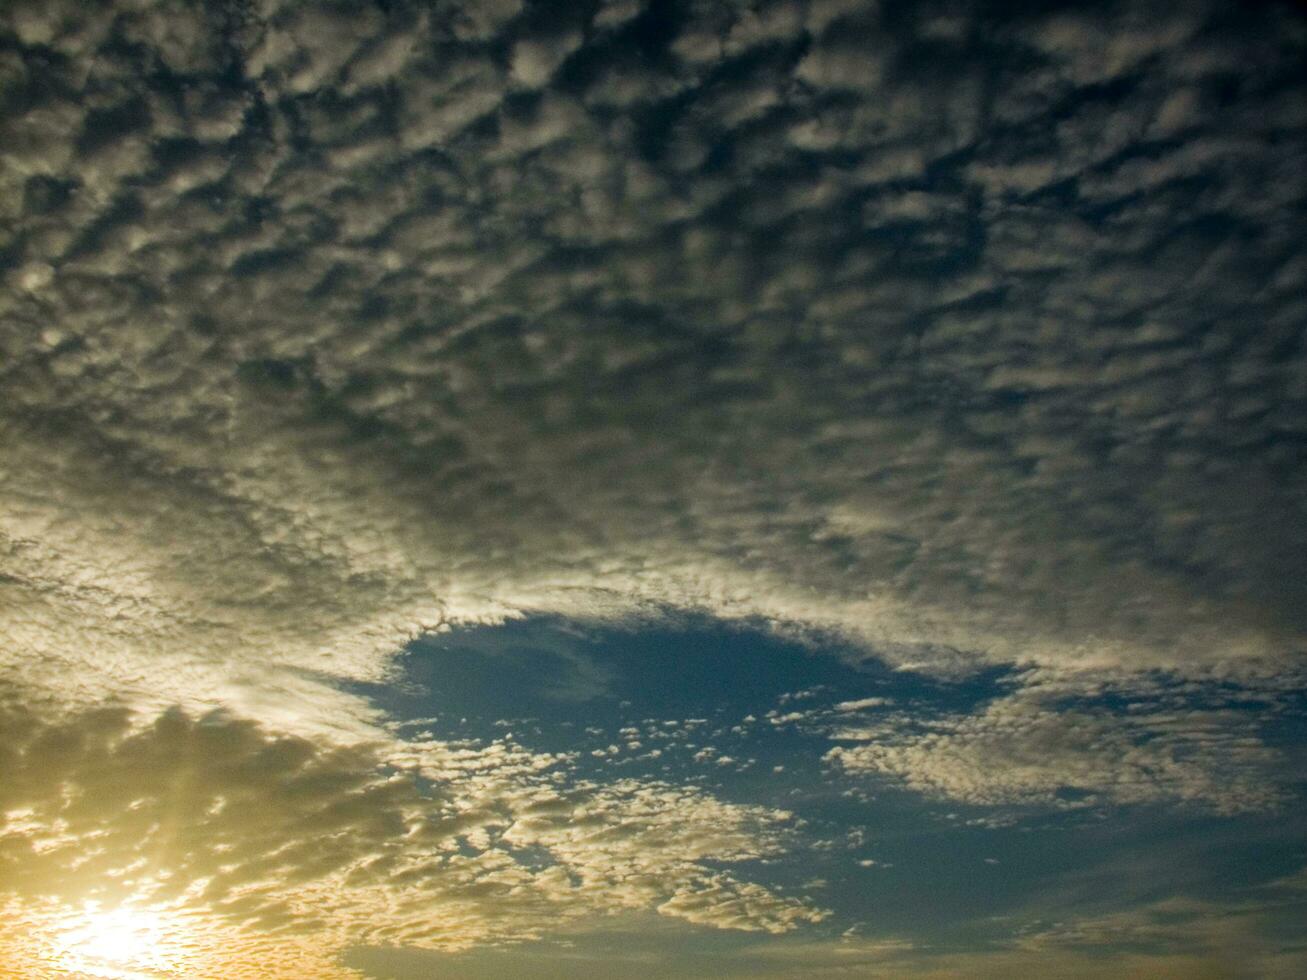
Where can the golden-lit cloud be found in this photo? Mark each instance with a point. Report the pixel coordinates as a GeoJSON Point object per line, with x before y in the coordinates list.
{"type": "Point", "coordinates": [159, 842]}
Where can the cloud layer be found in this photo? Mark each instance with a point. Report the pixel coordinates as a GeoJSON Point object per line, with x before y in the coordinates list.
{"type": "Point", "coordinates": [267, 844]}
{"type": "Point", "coordinates": [324, 325]}
{"type": "Point", "coordinates": [970, 333]}
{"type": "Point", "coordinates": [1081, 745]}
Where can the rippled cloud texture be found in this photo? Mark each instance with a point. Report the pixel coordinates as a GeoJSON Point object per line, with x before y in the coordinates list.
{"type": "Point", "coordinates": [953, 337]}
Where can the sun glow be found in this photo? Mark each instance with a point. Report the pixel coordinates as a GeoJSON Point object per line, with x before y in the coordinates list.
{"type": "Point", "coordinates": [122, 943]}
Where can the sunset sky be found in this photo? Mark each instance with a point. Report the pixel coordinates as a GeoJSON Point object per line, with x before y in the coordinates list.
{"type": "Point", "coordinates": [653, 489]}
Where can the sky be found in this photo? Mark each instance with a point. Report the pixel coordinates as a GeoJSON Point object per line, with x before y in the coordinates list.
{"type": "Point", "coordinates": [653, 488]}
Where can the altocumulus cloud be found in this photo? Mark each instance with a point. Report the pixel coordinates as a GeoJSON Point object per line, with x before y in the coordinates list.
{"type": "Point", "coordinates": [1044, 745]}
{"type": "Point", "coordinates": [324, 325]}
{"type": "Point", "coordinates": [274, 850]}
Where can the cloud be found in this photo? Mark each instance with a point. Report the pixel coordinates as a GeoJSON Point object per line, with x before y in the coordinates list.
{"type": "Point", "coordinates": [1087, 743]}
{"type": "Point", "coordinates": [861, 704]}
{"type": "Point", "coordinates": [271, 842]}
{"type": "Point", "coordinates": [325, 326]}
{"type": "Point", "coordinates": [854, 955]}
{"type": "Point", "coordinates": [353, 335]}
{"type": "Point", "coordinates": [1225, 936]}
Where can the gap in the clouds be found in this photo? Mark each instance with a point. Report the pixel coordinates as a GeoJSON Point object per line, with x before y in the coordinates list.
{"type": "Point", "coordinates": [736, 710]}
{"type": "Point", "coordinates": [554, 683]}
{"type": "Point", "coordinates": [747, 715]}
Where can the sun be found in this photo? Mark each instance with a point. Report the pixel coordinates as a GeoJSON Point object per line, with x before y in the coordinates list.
{"type": "Point", "coordinates": [121, 943]}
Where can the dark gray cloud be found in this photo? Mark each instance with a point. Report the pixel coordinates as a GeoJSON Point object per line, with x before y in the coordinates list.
{"type": "Point", "coordinates": [971, 333]}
